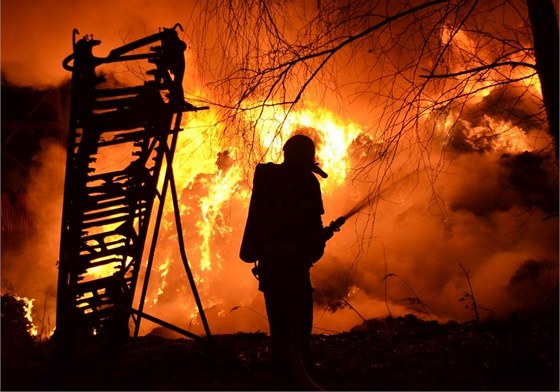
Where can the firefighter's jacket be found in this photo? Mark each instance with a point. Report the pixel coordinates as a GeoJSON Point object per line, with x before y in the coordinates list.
{"type": "Point", "coordinates": [284, 218]}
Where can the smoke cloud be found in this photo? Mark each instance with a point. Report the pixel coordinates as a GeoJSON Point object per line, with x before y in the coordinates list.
{"type": "Point", "coordinates": [29, 266]}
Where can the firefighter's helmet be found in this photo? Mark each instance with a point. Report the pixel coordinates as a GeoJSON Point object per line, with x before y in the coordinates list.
{"type": "Point", "coordinates": [299, 150]}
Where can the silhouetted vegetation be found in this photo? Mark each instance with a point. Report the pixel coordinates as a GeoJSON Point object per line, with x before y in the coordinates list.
{"type": "Point", "coordinates": [395, 353]}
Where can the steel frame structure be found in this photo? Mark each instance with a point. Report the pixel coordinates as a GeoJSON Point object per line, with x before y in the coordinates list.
{"type": "Point", "coordinates": [107, 209]}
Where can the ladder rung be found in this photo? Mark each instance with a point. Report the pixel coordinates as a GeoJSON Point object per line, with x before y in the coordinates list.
{"type": "Point", "coordinates": [90, 257]}
{"type": "Point", "coordinates": [128, 210]}
{"type": "Point", "coordinates": [118, 103]}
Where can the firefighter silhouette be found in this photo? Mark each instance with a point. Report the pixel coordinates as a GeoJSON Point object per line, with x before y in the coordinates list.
{"type": "Point", "coordinates": [284, 236]}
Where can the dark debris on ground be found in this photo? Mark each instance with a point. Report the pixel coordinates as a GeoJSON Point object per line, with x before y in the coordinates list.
{"type": "Point", "coordinates": [402, 353]}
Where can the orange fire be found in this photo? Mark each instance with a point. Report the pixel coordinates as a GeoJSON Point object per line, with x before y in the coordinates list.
{"type": "Point", "coordinates": [28, 309]}
{"type": "Point", "coordinates": [334, 136]}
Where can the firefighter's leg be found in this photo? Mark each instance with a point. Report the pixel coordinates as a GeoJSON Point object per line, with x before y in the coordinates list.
{"type": "Point", "coordinates": [300, 332]}
{"type": "Point", "coordinates": [278, 311]}
{"type": "Point", "coordinates": [306, 326]}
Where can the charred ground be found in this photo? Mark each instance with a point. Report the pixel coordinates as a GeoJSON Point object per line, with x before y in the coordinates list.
{"type": "Point", "coordinates": [402, 353]}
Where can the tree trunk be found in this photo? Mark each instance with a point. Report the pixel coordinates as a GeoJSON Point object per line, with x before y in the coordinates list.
{"type": "Point", "coordinates": [544, 24]}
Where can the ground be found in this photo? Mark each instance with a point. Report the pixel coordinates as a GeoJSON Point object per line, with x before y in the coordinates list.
{"type": "Point", "coordinates": [402, 353]}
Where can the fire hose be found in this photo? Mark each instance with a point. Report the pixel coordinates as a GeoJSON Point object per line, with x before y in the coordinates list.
{"type": "Point", "coordinates": [335, 225]}
{"type": "Point", "coordinates": [370, 198]}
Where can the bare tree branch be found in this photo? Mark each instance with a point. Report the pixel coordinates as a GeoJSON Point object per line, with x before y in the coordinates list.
{"type": "Point", "coordinates": [481, 68]}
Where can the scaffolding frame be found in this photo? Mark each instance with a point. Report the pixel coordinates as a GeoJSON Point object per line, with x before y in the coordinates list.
{"type": "Point", "coordinates": [106, 212]}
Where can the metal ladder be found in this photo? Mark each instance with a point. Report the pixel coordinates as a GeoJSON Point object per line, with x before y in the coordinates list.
{"type": "Point", "coordinates": [107, 208]}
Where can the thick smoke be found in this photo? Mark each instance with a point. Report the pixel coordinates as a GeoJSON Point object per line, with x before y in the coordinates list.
{"type": "Point", "coordinates": [491, 212]}
{"type": "Point", "coordinates": [29, 266]}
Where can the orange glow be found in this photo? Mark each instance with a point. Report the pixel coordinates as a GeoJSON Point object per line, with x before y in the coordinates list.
{"type": "Point", "coordinates": [464, 207]}
{"type": "Point", "coordinates": [109, 268]}
{"type": "Point", "coordinates": [469, 55]}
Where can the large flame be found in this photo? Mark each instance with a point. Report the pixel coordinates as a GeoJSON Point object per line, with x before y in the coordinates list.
{"type": "Point", "coordinates": [333, 133]}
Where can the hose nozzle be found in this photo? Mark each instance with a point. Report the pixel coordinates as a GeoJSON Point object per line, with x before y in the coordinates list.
{"type": "Point", "coordinates": [333, 226]}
